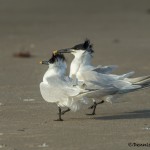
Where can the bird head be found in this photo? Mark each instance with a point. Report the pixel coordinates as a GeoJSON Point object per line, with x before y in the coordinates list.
{"type": "Point", "coordinates": [57, 57]}
{"type": "Point", "coordinates": [78, 49]}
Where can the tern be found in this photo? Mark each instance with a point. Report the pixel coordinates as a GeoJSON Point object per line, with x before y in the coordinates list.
{"type": "Point", "coordinates": [58, 88]}
{"type": "Point", "coordinates": [110, 85]}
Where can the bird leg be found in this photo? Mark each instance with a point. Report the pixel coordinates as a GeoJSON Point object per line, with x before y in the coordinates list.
{"type": "Point", "coordinates": [101, 102]}
{"type": "Point", "coordinates": [63, 112]}
{"type": "Point", "coordinates": [94, 107]}
{"type": "Point", "coordinates": [59, 114]}
{"type": "Point", "coordinates": [91, 107]}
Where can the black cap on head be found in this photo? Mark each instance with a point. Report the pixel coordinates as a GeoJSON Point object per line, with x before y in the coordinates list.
{"type": "Point", "coordinates": [56, 57]}
{"type": "Point", "coordinates": [84, 46]}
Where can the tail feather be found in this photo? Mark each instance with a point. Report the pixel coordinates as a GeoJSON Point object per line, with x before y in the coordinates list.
{"type": "Point", "coordinates": [138, 79]}
{"type": "Point", "coordinates": [143, 82]}
{"type": "Point", "coordinates": [135, 84]}
{"type": "Point", "coordinates": [145, 86]}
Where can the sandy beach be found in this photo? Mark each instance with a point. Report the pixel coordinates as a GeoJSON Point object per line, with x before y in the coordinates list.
{"type": "Point", "coordinates": [120, 33]}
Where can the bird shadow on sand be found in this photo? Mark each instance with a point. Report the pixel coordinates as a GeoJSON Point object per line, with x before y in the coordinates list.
{"type": "Point", "coordinates": [139, 114]}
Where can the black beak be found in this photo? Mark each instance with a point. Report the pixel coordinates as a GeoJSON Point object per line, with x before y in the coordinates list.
{"type": "Point", "coordinates": [44, 62]}
{"type": "Point", "coordinates": [66, 50]}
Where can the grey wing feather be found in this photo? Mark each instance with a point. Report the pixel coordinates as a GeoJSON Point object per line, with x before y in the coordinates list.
{"type": "Point", "coordinates": [105, 69]}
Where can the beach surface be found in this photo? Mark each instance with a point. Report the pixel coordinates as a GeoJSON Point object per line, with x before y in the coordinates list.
{"type": "Point", "coordinates": [120, 33]}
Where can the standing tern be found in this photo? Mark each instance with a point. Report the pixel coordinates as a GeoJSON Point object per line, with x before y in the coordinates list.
{"type": "Point", "coordinates": [110, 85]}
{"type": "Point", "coordinates": [59, 88]}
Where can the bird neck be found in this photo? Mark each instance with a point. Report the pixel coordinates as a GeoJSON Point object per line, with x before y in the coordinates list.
{"type": "Point", "coordinates": [56, 70]}
{"type": "Point", "coordinates": [79, 62]}
{"type": "Point", "coordinates": [75, 65]}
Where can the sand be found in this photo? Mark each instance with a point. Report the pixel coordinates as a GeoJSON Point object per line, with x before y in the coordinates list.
{"type": "Point", "coordinates": [120, 32]}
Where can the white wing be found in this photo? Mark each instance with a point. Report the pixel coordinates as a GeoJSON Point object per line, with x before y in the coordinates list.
{"type": "Point", "coordinates": [57, 89]}
{"type": "Point", "coordinates": [99, 68]}
{"type": "Point", "coordinates": [108, 84]}
{"type": "Point", "coordinates": [62, 93]}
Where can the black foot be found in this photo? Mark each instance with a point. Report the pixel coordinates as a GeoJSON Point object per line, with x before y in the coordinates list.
{"type": "Point", "coordinates": [59, 120]}
{"type": "Point", "coordinates": [92, 114]}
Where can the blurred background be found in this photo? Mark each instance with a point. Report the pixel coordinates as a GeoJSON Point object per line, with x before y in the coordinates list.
{"type": "Point", "coordinates": [118, 29]}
